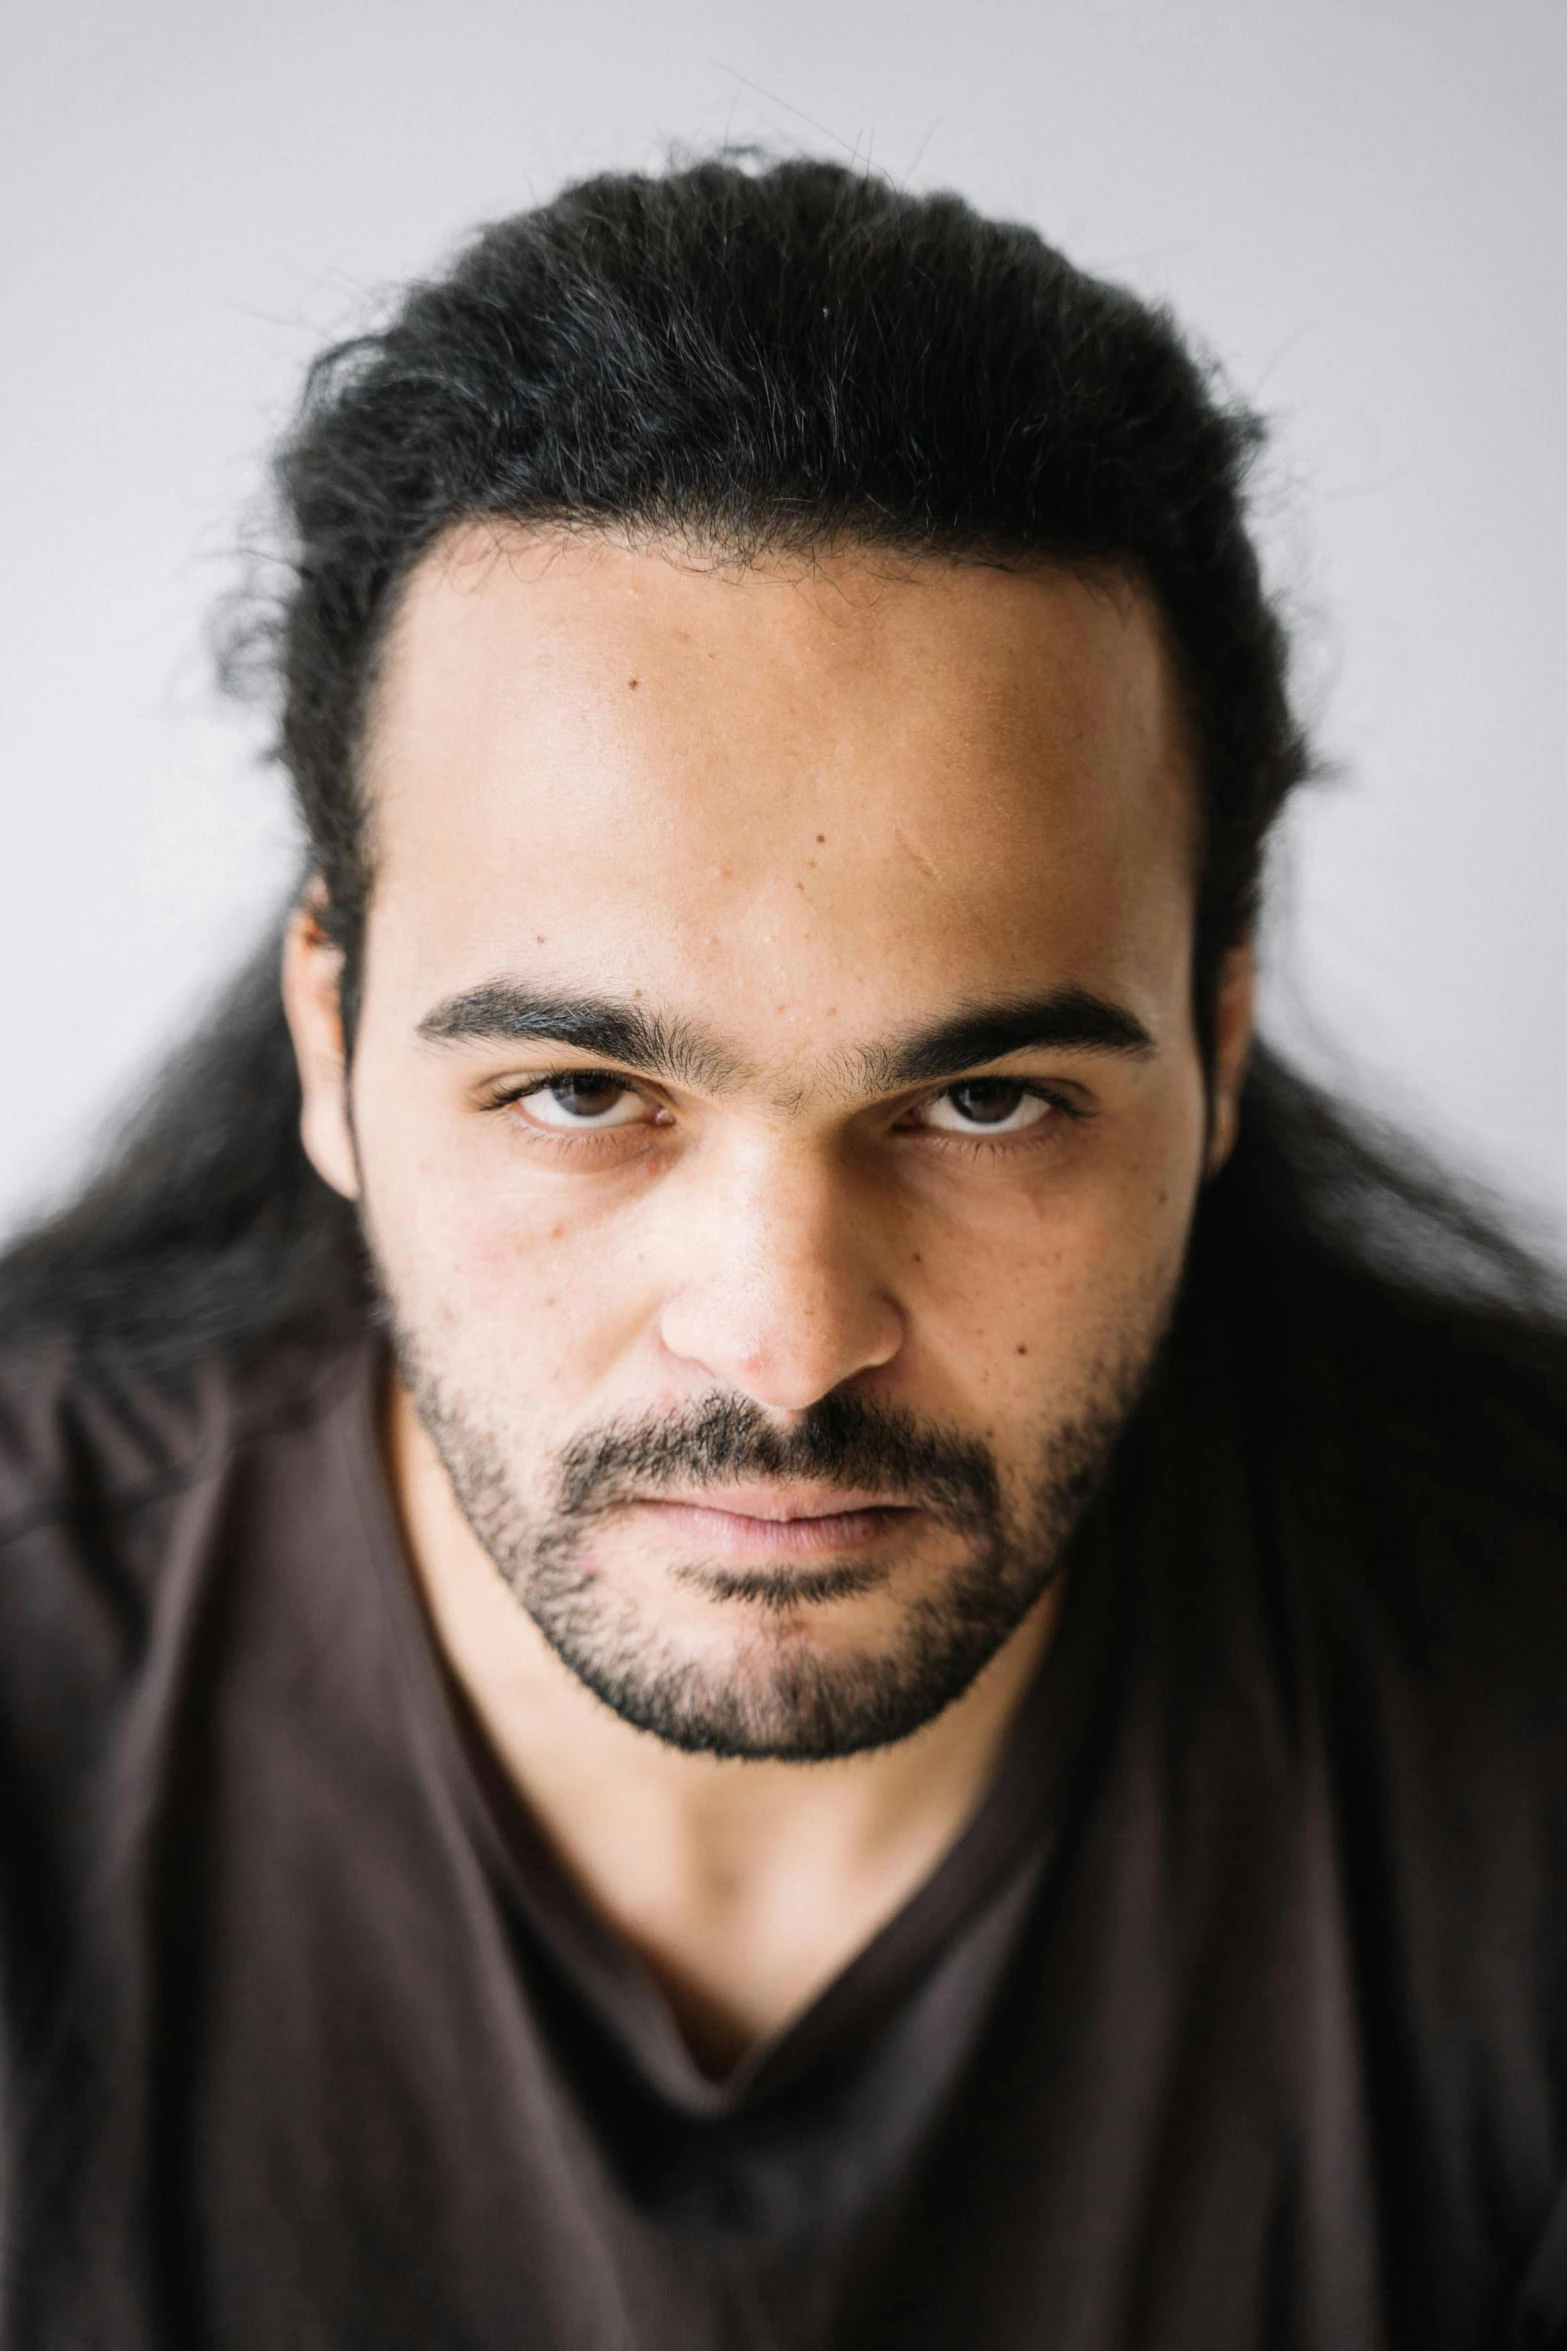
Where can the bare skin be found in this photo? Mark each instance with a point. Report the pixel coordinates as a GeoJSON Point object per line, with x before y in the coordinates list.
{"type": "Point", "coordinates": [799, 814]}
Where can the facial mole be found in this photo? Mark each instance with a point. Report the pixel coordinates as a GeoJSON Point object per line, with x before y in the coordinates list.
{"type": "Point", "coordinates": [1022, 1350]}
{"type": "Point", "coordinates": [633, 683]}
{"type": "Point", "coordinates": [821, 840]}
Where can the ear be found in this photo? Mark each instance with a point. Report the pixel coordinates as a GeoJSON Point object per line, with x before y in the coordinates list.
{"type": "Point", "coordinates": [1234, 1009]}
{"type": "Point", "coordinates": [312, 999]}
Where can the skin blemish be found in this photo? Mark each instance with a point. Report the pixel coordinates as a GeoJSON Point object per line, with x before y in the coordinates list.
{"type": "Point", "coordinates": [1022, 1350]}
{"type": "Point", "coordinates": [925, 863]}
{"type": "Point", "coordinates": [633, 683]}
{"type": "Point", "coordinates": [821, 840]}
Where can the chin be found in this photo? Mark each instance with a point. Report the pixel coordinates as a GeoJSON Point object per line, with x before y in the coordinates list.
{"type": "Point", "coordinates": [767, 1681]}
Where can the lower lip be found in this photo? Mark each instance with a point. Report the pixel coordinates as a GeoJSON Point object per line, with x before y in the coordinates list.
{"type": "Point", "coordinates": [729, 1534]}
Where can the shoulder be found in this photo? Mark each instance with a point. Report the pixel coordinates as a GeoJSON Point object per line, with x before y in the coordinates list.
{"type": "Point", "coordinates": [90, 1439]}
{"type": "Point", "coordinates": [1404, 1464]}
{"type": "Point", "coordinates": [136, 1506]}
{"type": "Point", "coordinates": [1425, 1442]}
{"type": "Point", "coordinates": [1412, 1472]}
{"type": "Point", "coordinates": [123, 1492]}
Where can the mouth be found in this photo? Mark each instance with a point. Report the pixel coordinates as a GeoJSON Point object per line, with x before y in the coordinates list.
{"type": "Point", "coordinates": [776, 1522]}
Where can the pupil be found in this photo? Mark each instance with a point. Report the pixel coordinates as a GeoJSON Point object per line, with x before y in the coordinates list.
{"type": "Point", "coordinates": [588, 1096]}
{"type": "Point", "coordinates": [988, 1101]}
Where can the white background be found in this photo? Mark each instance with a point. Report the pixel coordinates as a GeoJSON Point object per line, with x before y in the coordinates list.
{"type": "Point", "coordinates": [1358, 204]}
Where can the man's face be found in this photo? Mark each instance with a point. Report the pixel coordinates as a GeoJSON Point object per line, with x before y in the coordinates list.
{"type": "Point", "coordinates": [775, 1106]}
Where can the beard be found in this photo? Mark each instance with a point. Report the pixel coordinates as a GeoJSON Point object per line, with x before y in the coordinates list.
{"type": "Point", "coordinates": [777, 1698]}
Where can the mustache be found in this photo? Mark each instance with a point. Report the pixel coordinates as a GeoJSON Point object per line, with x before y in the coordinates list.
{"type": "Point", "coordinates": [840, 1440]}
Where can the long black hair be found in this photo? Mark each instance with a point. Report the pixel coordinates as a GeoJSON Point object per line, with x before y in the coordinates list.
{"type": "Point", "coordinates": [752, 360]}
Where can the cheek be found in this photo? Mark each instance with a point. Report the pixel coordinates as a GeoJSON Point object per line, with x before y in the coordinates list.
{"type": "Point", "coordinates": [1072, 1282]}
{"type": "Point", "coordinates": [502, 1282]}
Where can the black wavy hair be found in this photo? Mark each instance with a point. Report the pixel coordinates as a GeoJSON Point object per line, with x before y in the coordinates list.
{"type": "Point", "coordinates": [766, 362]}
{"type": "Point", "coordinates": [755, 360]}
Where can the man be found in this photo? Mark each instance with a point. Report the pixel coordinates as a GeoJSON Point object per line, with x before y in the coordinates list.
{"type": "Point", "coordinates": [832, 1629]}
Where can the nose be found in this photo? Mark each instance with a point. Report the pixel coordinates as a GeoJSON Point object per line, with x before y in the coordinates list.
{"type": "Point", "coordinates": [780, 1295]}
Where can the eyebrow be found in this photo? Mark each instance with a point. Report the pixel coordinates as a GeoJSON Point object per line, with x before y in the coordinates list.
{"type": "Point", "coordinates": [1067, 1020]}
{"type": "Point", "coordinates": [658, 1044]}
{"type": "Point", "coordinates": [665, 1046]}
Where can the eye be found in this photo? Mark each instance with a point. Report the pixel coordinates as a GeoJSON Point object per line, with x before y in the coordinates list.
{"type": "Point", "coordinates": [985, 1106]}
{"type": "Point", "coordinates": [579, 1100]}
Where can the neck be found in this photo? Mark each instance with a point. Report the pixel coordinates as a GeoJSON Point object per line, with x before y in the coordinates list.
{"type": "Point", "coordinates": [745, 1887]}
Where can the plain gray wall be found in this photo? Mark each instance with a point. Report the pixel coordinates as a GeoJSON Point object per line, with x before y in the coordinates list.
{"type": "Point", "coordinates": [1358, 204]}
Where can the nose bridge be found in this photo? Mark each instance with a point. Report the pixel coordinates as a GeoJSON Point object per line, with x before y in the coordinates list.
{"type": "Point", "coordinates": [782, 1289]}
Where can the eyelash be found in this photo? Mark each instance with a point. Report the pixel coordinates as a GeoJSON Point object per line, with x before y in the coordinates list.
{"type": "Point", "coordinates": [1063, 1104]}
{"type": "Point", "coordinates": [981, 1146]}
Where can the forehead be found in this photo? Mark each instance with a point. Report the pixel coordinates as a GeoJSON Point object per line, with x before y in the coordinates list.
{"type": "Point", "coordinates": [858, 787]}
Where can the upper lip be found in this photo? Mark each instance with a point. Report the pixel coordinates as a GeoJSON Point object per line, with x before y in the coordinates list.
{"type": "Point", "coordinates": [780, 1502]}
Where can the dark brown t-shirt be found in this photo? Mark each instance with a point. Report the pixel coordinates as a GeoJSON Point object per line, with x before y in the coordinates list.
{"type": "Point", "coordinates": [1237, 2017]}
